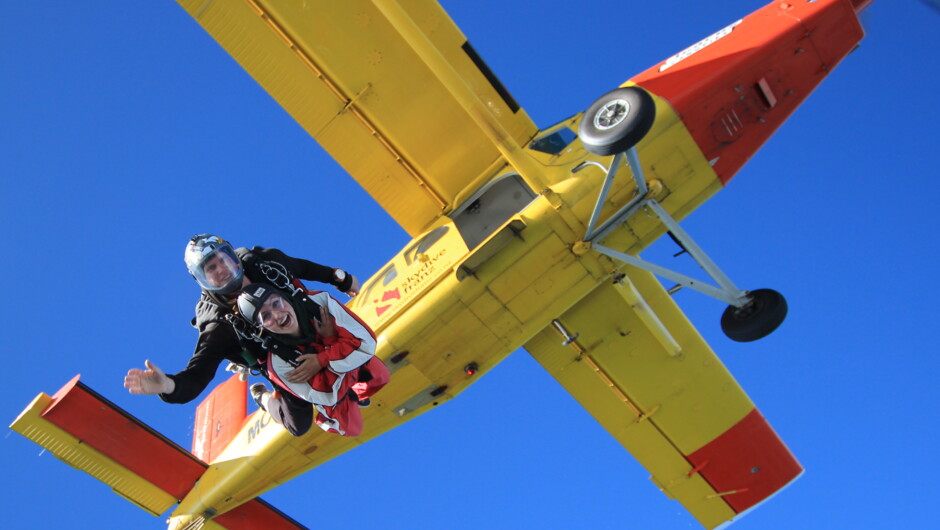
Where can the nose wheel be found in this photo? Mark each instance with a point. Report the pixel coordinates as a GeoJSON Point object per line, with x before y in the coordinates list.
{"type": "Point", "coordinates": [617, 121]}
{"type": "Point", "coordinates": [762, 314]}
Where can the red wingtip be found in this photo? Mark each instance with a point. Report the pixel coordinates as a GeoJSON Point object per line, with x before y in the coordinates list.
{"type": "Point", "coordinates": [860, 5]}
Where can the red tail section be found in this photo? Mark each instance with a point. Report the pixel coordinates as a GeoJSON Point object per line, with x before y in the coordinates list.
{"type": "Point", "coordinates": [219, 418]}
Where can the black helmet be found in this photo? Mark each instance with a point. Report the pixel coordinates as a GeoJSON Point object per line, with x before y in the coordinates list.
{"type": "Point", "coordinates": [252, 298]}
{"type": "Point", "coordinates": [225, 274]}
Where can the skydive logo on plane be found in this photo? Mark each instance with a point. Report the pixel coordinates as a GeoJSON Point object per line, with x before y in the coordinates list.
{"type": "Point", "coordinates": [410, 285]}
{"type": "Point", "coordinates": [420, 277]}
{"type": "Point", "coordinates": [699, 46]}
{"type": "Point", "coordinates": [387, 296]}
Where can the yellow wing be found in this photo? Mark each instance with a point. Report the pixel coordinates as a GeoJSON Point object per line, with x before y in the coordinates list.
{"type": "Point", "coordinates": [641, 369]}
{"type": "Point", "coordinates": [394, 92]}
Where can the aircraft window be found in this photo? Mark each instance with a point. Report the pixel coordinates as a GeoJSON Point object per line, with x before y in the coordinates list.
{"type": "Point", "coordinates": [554, 143]}
{"type": "Point", "coordinates": [385, 277]}
{"type": "Point", "coordinates": [425, 243]}
{"type": "Point", "coordinates": [490, 207]}
{"type": "Point", "coordinates": [389, 275]}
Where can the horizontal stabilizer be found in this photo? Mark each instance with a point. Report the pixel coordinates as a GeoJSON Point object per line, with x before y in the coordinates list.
{"type": "Point", "coordinates": [85, 430]}
{"type": "Point", "coordinates": [90, 433]}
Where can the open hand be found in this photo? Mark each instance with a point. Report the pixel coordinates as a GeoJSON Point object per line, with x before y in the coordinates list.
{"type": "Point", "coordinates": [149, 381]}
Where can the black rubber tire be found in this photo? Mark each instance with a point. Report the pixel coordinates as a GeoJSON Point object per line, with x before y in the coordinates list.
{"type": "Point", "coordinates": [760, 318]}
{"type": "Point", "coordinates": [617, 121]}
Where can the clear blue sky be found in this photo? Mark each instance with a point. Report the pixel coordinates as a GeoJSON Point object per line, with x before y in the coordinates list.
{"type": "Point", "coordinates": [125, 130]}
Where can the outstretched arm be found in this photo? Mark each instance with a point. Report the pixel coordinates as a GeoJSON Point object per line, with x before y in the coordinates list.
{"type": "Point", "coordinates": [150, 381]}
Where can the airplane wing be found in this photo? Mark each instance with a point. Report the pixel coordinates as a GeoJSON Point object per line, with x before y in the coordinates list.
{"type": "Point", "coordinates": [85, 430]}
{"type": "Point", "coordinates": [378, 85]}
{"type": "Point", "coordinates": [631, 358]}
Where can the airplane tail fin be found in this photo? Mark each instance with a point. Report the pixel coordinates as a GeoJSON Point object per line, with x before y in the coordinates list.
{"type": "Point", "coordinates": [88, 432]}
{"type": "Point", "coordinates": [219, 418]}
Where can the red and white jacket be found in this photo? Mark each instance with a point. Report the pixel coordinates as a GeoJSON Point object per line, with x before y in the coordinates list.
{"type": "Point", "coordinates": [340, 356]}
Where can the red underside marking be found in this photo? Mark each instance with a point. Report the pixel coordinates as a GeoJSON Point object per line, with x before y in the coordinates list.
{"type": "Point", "coordinates": [107, 428]}
{"type": "Point", "coordinates": [860, 5]}
{"type": "Point", "coordinates": [219, 418]}
{"type": "Point", "coordinates": [749, 459]}
{"type": "Point", "coordinates": [715, 88]}
{"type": "Point", "coordinates": [257, 514]}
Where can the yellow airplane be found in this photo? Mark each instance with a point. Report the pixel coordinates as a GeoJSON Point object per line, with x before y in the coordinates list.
{"type": "Point", "coordinates": [521, 238]}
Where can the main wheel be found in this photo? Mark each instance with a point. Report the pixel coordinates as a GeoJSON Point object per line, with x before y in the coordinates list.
{"type": "Point", "coordinates": [759, 318]}
{"type": "Point", "coordinates": [617, 121]}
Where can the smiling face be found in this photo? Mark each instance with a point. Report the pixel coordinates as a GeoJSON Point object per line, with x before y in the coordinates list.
{"type": "Point", "coordinates": [277, 316]}
{"type": "Point", "coordinates": [220, 269]}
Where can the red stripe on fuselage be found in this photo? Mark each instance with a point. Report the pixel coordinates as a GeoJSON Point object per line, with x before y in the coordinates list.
{"type": "Point", "coordinates": [719, 87]}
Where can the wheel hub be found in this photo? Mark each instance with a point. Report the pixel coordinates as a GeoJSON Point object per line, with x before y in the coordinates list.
{"type": "Point", "coordinates": [611, 114]}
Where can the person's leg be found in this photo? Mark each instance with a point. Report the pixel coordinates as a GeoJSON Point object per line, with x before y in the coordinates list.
{"type": "Point", "coordinates": [295, 414]}
{"type": "Point", "coordinates": [344, 418]}
{"type": "Point", "coordinates": [372, 377]}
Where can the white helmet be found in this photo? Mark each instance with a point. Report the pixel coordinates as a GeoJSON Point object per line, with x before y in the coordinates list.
{"type": "Point", "coordinates": [213, 263]}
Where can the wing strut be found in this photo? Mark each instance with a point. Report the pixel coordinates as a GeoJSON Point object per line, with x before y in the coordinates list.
{"type": "Point", "coordinates": [725, 291]}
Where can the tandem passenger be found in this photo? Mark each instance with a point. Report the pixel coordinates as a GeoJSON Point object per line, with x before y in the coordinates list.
{"type": "Point", "coordinates": [317, 350]}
